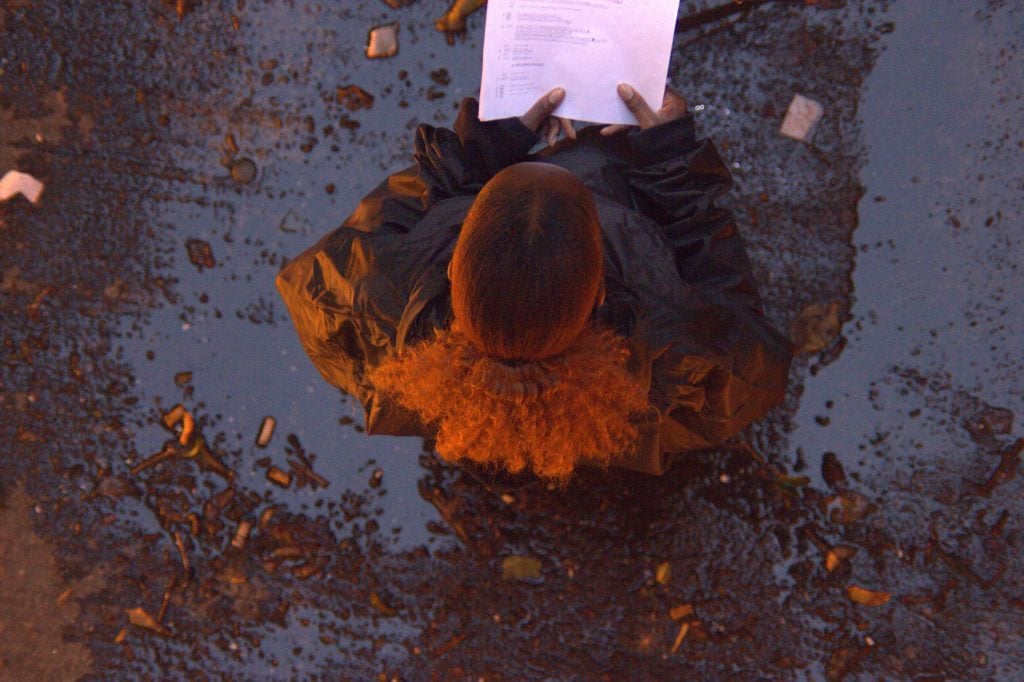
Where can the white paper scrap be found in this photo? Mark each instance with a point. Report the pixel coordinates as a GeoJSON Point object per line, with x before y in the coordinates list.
{"type": "Point", "coordinates": [14, 183]}
{"type": "Point", "coordinates": [802, 118]}
{"type": "Point", "coordinates": [587, 47]}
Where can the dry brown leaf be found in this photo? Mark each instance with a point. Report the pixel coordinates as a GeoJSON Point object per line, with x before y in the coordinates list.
{"type": "Point", "coordinates": [867, 597]}
{"type": "Point", "coordinates": [681, 611]}
{"type": "Point", "coordinates": [520, 568]}
{"type": "Point", "coordinates": [141, 618]}
{"type": "Point", "coordinates": [663, 572]}
{"type": "Point", "coordinates": [454, 20]}
{"type": "Point", "coordinates": [837, 555]}
{"type": "Point", "coordinates": [815, 327]}
{"type": "Point", "coordinates": [382, 606]}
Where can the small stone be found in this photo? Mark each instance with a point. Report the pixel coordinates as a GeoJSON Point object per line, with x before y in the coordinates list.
{"type": "Point", "coordinates": [383, 41]}
{"type": "Point", "coordinates": [802, 118]}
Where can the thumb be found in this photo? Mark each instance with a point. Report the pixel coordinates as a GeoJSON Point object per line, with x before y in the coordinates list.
{"type": "Point", "coordinates": [543, 108]}
{"type": "Point", "coordinates": [645, 116]}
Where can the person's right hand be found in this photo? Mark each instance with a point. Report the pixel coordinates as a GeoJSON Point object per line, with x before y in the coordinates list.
{"type": "Point", "coordinates": [672, 107]}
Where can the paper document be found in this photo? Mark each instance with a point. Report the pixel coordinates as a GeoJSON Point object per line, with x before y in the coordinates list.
{"type": "Point", "coordinates": [585, 46]}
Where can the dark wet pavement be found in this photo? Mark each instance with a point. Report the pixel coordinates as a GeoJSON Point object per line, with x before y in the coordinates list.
{"type": "Point", "coordinates": [904, 217]}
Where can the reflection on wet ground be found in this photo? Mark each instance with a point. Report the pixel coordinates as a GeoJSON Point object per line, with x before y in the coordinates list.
{"type": "Point", "coordinates": [870, 528]}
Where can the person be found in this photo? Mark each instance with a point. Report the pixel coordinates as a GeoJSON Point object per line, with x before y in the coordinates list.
{"type": "Point", "coordinates": [586, 304]}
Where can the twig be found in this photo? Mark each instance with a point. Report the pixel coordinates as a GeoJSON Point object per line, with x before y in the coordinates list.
{"type": "Point", "coordinates": [711, 14]}
{"type": "Point", "coordinates": [167, 598]}
{"type": "Point", "coordinates": [1005, 471]}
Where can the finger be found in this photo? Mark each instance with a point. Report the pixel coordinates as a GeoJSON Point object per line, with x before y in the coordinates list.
{"type": "Point", "coordinates": [567, 127]}
{"type": "Point", "coordinates": [645, 116]}
{"type": "Point", "coordinates": [613, 129]}
{"type": "Point", "coordinates": [542, 108]}
{"type": "Point", "coordinates": [552, 132]}
{"type": "Point", "coordinates": [674, 104]}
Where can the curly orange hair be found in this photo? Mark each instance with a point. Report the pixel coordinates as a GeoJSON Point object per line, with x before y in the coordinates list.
{"type": "Point", "coordinates": [547, 416]}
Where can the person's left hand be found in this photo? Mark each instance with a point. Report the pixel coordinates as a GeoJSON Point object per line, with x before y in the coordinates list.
{"type": "Point", "coordinates": [540, 117]}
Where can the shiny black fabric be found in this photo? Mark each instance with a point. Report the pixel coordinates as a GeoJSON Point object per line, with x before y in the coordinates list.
{"type": "Point", "coordinates": [678, 281]}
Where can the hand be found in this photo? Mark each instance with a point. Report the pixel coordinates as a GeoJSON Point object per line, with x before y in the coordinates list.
{"type": "Point", "coordinates": [539, 117]}
{"type": "Point", "coordinates": [672, 107]}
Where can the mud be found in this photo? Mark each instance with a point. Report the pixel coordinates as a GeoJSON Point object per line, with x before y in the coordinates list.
{"type": "Point", "coordinates": [869, 528]}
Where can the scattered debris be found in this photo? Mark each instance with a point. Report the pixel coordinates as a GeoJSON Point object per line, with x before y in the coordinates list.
{"type": "Point", "coordinates": [182, 379]}
{"type": "Point", "coordinates": [382, 606]}
{"type": "Point", "coordinates": [11, 283]}
{"type": "Point", "coordinates": [508, 498]}
{"type": "Point", "coordinates": [292, 223]}
{"type": "Point", "coordinates": [802, 118]}
{"type": "Point", "coordinates": [241, 535]}
{"type": "Point", "coordinates": [520, 568]}
{"type": "Point", "coordinates": [180, 544]}
{"type": "Point", "coordinates": [168, 452]}
{"type": "Point", "coordinates": [866, 597]}
{"type": "Point", "coordinates": [832, 471]}
{"type": "Point", "coordinates": [281, 478]}
{"type": "Point", "coordinates": [398, 4]}
{"type": "Point", "coordinates": [179, 415]}
{"type": "Point", "coordinates": [681, 611]}
{"type": "Point", "coordinates": [243, 171]}
{"type": "Point", "coordinates": [448, 646]}
{"type": "Point", "coordinates": [383, 41]}
{"type": "Point", "coordinates": [354, 97]}
{"type": "Point", "coordinates": [139, 617]}
{"type": "Point", "coordinates": [14, 183]}
{"type": "Point", "coordinates": [171, 583]}
{"type": "Point", "coordinates": [663, 572]}
{"type": "Point", "coordinates": [683, 629]}
{"type": "Point", "coordinates": [836, 555]}
{"type": "Point", "coordinates": [121, 636]}
{"type": "Point", "coordinates": [200, 253]}
{"type": "Point", "coordinates": [848, 507]}
{"type": "Point", "coordinates": [376, 478]}
{"type": "Point", "coordinates": [441, 77]}
{"type": "Point", "coordinates": [266, 432]}
{"type": "Point", "coordinates": [1007, 469]}
{"type": "Point", "coordinates": [454, 20]}
{"type": "Point", "coordinates": [815, 327]}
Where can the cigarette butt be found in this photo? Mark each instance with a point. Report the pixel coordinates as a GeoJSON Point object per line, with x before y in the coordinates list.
{"type": "Point", "coordinates": [121, 636]}
{"type": "Point", "coordinates": [683, 629]}
{"type": "Point", "coordinates": [266, 432]}
{"type": "Point", "coordinates": [241, 535]}
{"type": "Point", "coordinates": [281, 478]}
{"type": "Point", "coordinates": [265, 517]}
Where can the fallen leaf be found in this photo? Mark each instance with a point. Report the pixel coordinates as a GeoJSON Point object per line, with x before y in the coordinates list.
{"type": "Point", "coordinates": [852, 507]}
{"type": "Point", "coordinates": [141, 618]}
{"type": "Point", "coordinates": [867, 597]}
{"type": "Point", "coordinates": [815, 327]}
{"type": "Point", "coordinates": [520, 568]}
{"type": "Point", "coordinates": [382, 606]}
{"type": "Point", "coordinates": [663, 572]}
{"type": "Point", "coordinates": [836, 555]}
{"type": "Point", "coordinates": [454, 20]}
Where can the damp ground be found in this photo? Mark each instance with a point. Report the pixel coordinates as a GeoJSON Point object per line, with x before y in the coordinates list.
{"type": "Point", "coordinates": [870, 528]}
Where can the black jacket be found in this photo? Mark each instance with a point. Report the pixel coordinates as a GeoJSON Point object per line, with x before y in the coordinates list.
{"type": "Point", "coordinates": [678, 281]}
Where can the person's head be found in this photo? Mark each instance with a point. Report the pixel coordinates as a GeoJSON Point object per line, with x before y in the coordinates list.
{"type": "Point", "coordinates": [525, 276]}
{"type": "Point", "coordinates": [527, 269]}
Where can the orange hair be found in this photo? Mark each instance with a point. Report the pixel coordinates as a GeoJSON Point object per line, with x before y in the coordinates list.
{"type": "Point", "coordinates": [523, 378]}
{"type": "Point", "coordinates": [547, 416]}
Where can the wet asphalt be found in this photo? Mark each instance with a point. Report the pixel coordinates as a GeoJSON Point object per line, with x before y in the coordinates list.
{"type": "Point", "coordinates": [870, 528]}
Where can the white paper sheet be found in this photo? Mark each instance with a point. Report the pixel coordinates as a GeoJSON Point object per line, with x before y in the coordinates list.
{"type": "Point", "coordinates": [585, 46]}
